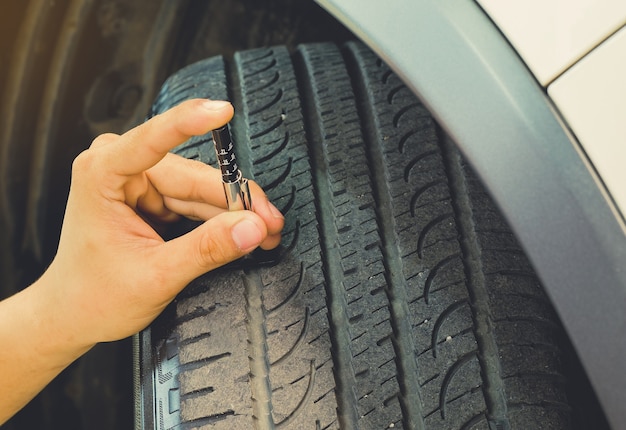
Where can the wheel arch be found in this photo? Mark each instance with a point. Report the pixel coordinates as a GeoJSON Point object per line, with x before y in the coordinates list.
{"type": "Point", "coordinates": [482, 94]}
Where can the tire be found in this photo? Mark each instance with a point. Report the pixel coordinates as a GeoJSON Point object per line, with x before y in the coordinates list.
{"type": "Point", "coordinates": [399, 297]}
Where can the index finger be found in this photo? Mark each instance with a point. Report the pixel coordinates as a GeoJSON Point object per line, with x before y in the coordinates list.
{"type": "Point", "coordinates": [145, 145]}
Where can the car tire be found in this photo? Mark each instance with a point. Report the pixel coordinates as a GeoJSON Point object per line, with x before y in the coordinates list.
{"type": "Point", "coordinates": [399, 298]}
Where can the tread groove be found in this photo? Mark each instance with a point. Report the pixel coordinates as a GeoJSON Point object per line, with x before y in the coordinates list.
{"type": "Point", "coordinates": [396, 284]}
{"type": "Point", "coordinates": [258, 357]}
{"type": "Point", "coordinates": [437, 327]}
{"type": "Point", "coordinates": [344, 374]}
{"type": "Point", "coordinates": [448, 378]}
{"type": "Point", "coordinates": [493, 385]}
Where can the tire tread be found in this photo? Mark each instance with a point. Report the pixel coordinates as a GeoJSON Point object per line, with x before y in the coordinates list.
{"type": "Point", "coordinates": [399, 297]}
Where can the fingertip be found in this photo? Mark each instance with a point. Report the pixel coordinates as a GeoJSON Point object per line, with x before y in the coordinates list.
{"type": "Point", "coordinates": [276, 225]}
{"type": "Point", "coordinates": [247, 234]}
{"type": "Point", "coordinates": [274, 219]}
{"type": "Point", "coordinates": [103, 140]}
{"type": "Point", "coordinates": [275, 212]}
{"type": "Point", "coordinates": [216, 105]}
{"type": "Point", "coordinates": [195, 117]}
{"type": "Point", "coordinates": [271, 242]}
{"type": "Point", "coordinates": [215, 113]}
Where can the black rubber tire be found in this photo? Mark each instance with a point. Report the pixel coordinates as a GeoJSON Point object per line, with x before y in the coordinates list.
{"type": "Point", "coordinates": [399, 297]}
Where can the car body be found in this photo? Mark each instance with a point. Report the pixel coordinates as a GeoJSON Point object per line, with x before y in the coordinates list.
{"type": "Point", "coordinates": [533, 94]}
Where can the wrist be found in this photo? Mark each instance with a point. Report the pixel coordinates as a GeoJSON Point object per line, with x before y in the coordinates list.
{"type": "Point", "coordinates": [36, 347]}
{"type": "Point", "coordinates": [54, 331]}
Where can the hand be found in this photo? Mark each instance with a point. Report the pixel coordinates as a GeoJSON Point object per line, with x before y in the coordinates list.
{"type": "Point", "coordinates": [113, 274]}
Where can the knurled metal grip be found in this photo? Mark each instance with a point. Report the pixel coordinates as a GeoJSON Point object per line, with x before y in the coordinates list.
{"type": "Point", "coordinates": [235, 185]}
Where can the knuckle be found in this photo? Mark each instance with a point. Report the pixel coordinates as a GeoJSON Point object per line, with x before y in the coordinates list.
{"type": "Point", "coordinates": [103, 139]}
{"type": "Point", "coordinates": [91, 159]}
{"type": "Point", "coordinates": [83, 162]}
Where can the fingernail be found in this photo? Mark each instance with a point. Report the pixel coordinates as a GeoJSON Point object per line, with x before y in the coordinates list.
{"type": "Point", "coordinates": [215, 105]}
{"type": "Point", "coordinates": [246, 235]}
{"type": "Point", "coordinates": [275, 212]}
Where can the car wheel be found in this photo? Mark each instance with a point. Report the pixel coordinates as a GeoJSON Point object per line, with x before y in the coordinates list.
{"type": "Point", "coordinates": [399, 298]}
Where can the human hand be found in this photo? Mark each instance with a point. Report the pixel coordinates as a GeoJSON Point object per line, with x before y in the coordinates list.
{"type": "Point", "coordinates": [113, 274]}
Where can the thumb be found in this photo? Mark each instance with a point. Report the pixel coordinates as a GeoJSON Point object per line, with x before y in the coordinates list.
{"type": "Point", "coordinates": [218, 241]}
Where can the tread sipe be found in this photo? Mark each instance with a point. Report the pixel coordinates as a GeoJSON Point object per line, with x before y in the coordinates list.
{"type": "Point", "coordinates": [398, 298]}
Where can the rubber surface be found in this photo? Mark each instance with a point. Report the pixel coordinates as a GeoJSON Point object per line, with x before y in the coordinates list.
{"type": "Point", "coordinates": [399, 297]}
